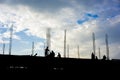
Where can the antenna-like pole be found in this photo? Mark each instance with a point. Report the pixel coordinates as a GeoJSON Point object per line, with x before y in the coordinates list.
{"type": "Point", "coordinates": [107, 47]}
{"type": "Point", "coordinates": [3, 48]}
{"type": "Point", "coordinates": [48, 36]}
{"type": "Point", "coordinates": [32, 48]}
{"type": "Point", "coordinates": [68, 50]}
{"type": "Point", "coordinates": [94, 44]}
{"type": "Point", "coordinates": [99, 54]}
{"type": "Point", "coordinates": [44, 47]}
{"type": "Point", "coordinates": [78, 51]}
{"type": "Point", "coordinates": [10, 44]}
{"type": "Point", "coordinates": [65, 43]}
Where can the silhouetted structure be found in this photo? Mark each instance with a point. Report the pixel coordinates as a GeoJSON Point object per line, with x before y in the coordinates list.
{"type": "Point", "coordinates": [99, 54]}
{"type": "Point", "coordinates": [94, 47]}
{"type": "Point", "coordinates": [107, 47]}
{"type": "Point", "coordinates": [92, 56]}
{"type": "Point", "coordinates": [32, 48]}
{"type": "Point", "coordinates": [3, 48]}
{"type": "Point", "coordinates": [78, 51]}
{"type": "Point", "coordinates": [68, 50]}
{"type": "Point", "coordinates": [65, 43]}
{"type": "Point", "coordinates": [46, 51]}
{"type": "Point", "coordinates": [48, 38]}
{"type": "Point", "coordinates": [10, 44]}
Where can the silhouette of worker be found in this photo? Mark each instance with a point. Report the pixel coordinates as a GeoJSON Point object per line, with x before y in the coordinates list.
{"type": "Point", "coordinates": [46, 51]}
{"type": "Point", "coordinates": [92, 56]}
{"type": "Point", "coordinates": [96, 57]}
{"type": "Point", "coordinates": [104, 57]}
{"type": "Point", "coordinates": [35, 54]}
{"type": "Point", "coordinates": [59, 56]}
{"type": "Point", "coordinates": [52, 54]}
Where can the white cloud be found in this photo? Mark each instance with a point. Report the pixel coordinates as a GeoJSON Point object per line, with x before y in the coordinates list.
{"type": "Point", "coordinates": [7, 35]}
{"type": "Point", "coordinates": [114, 51]}
{"type": "Point", "coordinates": [37, 23]}
{"type": "Point", "coordinates": [114, 20]}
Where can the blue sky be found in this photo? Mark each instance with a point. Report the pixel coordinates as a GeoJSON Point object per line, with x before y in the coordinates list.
{"type": "Point", "coordinates": [31, 18]}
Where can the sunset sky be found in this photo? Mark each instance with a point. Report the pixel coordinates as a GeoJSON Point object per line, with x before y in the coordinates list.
{"type": "Point", "coordinates": [31, 18]}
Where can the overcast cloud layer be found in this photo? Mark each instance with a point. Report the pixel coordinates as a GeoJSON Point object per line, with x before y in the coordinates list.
{"type": "Point", "coordinates": [31, 18]}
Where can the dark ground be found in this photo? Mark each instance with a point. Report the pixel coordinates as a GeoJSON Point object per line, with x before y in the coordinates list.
{"type": "Point", "coordinates": [12, 64]}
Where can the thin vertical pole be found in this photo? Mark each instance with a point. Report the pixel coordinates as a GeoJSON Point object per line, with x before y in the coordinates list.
{"type": "Point", "coordinates": [48, 36]}
{"type": "Point", "coordinates": [65, 43]}
{"type": "Point", "coordinates": [78, 51]}
{"type": "Point", "coordinates": [94, 44]}
{"type": "Point", "coordinates": [3, 48]}
{"type": "Point", "coordinates": [107, 47]}
{"type": "Point", "coordinates": [32, 48]}
{"type": "Point", "coordinates": [68, 50]}
{"type": "Point", "coordinates": [10, 44]}
{"type": "Point", "coordinates": [99, 54]}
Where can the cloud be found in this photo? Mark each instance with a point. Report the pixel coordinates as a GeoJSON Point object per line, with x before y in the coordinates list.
{"type": "Point", "coordinates": [34, 22]}
{"type": "Point", "coordinates": [38, 5]}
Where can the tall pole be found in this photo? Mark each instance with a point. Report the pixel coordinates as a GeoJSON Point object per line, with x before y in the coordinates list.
{"type": "Point", "coordinates": [32, 48]}
{"type": "Point", "coordinates": [68, 50]}
{"type": "Point", "coordinates": [78, 51]}
{"type": "Point", "coordinates": [3, 48]}
{"type": "Point", "coordinates": [10, 43]}
{"type": "Point", "coordinates": [44, 47]}
{"type": "Point", "coordinates": [107, 47]}
{"type": "Point", "coordinates": [65, 43]}
{"type": "Point", "coordinates": [48, 36]}
{"type": "Point", "coordinates": [94, 44]}
{"type": "Point", "coordinates": [99, 54]}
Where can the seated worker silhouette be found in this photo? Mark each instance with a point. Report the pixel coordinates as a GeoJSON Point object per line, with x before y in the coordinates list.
{"type": "Point", "coordinates": [59, 56]}
{"type": "Point", "coordinates": [35, 54]}
{"type": "Point", "coordinates": [52, 54]}
{"type": "Point", "coordinates": [104, 57]}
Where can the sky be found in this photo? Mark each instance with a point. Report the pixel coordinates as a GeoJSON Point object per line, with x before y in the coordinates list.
{"type": "Point", "coordinates": [32, 18]}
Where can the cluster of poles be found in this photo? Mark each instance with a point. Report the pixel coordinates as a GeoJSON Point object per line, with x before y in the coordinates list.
{"type": "Point", "coordinates": [66, 46]}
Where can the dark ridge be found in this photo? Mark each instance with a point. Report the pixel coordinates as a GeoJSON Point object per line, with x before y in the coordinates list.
{"type": "Point", "coordinates": [26, 63]}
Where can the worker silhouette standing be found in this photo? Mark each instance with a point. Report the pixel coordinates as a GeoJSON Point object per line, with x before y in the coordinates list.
{"type": "Point", "coordinates": [46, 51]}
{"type": "Point", "coordinates": [92, 56]}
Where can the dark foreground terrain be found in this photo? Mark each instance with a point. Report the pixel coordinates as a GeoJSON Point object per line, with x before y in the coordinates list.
{"type": "Point", "coordinates": [31, 64]}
